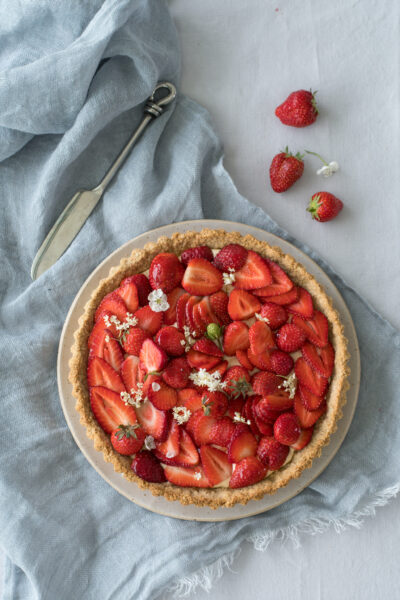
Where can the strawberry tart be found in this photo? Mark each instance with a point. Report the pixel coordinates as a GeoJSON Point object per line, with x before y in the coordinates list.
{"type": "Point", "coordinates": [209, 368]}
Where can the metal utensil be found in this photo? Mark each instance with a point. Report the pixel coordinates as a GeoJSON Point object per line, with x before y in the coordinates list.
{"type": "Point", "coordinates": [83, 202]}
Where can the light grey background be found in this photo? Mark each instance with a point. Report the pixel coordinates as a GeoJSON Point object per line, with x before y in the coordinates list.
{"type": "Point", "coordinates": [241, 58]}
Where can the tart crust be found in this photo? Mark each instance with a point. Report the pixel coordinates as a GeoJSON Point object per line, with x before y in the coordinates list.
{"type": "Point", "coordinates": [138, 262]}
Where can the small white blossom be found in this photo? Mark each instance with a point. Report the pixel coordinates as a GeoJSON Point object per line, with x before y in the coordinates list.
{"type": "Point", "coordinates": [158, 301]}
{"type": "Point", "coordinates": [197, 475]}
{"type": "Point", "coordinates": [181, 414]}
{"type": "Point", "coordinates": [328, 170]}
{"type": "Point", "coordinates": [156, 387]}
{"type": "Point", "coordinates": [126, 398]}
{"type": "Point", "coordinates": [149, 442]}
{"type": "Point", "coordinates": [212, 381]}
{"type": "Point", "coordinates": [183, 343]}
{"type": "Point", "coordinates": [289, 384]}
{"type": "Point", "coordinates": [261, 318]}
{"type": "Point", "coordinates": [229, 278]}
{"type": "Point", "coordinates": [170, 455]}
{"type": "Point", "coordinates": [239, 419]}
{"type": "Point", "coordinates": [107, 338]}
{"type": "Point", "coordinates": [188, 337]}
{"type": "Point", "coordinates": [134, 398]}
{"type": "Point", "coordinates": [130, 321]}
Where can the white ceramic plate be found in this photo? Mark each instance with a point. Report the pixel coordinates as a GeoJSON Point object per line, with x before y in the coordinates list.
{"type": "Point", "coordinates": [159, 504]}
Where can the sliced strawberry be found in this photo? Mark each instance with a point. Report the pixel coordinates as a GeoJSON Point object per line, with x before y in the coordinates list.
{"type": "Point", "coordinates": [235, 405]}
{"type": "Point", "coordinates": [249, 471]}
{"type": "Point", "coordinates": [316, 329]}
{"type": "Point", "coordinates": [106, 347]}
{"type": "Point", "coordinates": [261, 361]}
{"type": "Point", "coordinates": [219, 304]}
{"type": "Point", "coordinates": [304, 439]}
{"type": "Point", "coordinates": [242, 444]}
{"type": "Point", "coordinates": [321, 360]}
{"type": "Point", "coordinates": [287, 429]}
{"type": "Point", "coordinates": [236, 337]}
{"type": "Point", "coordinates": [279, 400]}
{"type": "Point", "coordinates": [290, 338]}
{"type": "Point", "coordinates": [146, 466]}
{"type": "Point", "coordinates": [232, 256]}
{"type": "Point", "coordinates": [254, 274]}
{"type": "Point", "coordinates": [142, 285]}
{"type": "Point", "coordinates": [190, 398]}
{"type": "Point", "coordinates": [199, 324]}
{"type": "Point", "coordinates": [202, 429]}
{"type": "Point", "coordinates": [221, 368]}
{"type": "Point", "coordinates": [272, 453]}
{"type": "Point", "coordinates": [189, 316]}
{"type": "Point", "coordinates": [186, 476]}
{"type": "Point", "coordinates": [208, 347]}
{"type": "Point", "coordinates": [149, 320]}
{"type": "Point", "coordinates": [303, 306]}
{"type": "Point", "coordinates": [114, 304]}
{"type": "Point", "coordinates": [242, 357]}
{"type": "Point", "coordinates": [109, 410]}
{"type": "Point", "coordinates": [154, 422]}
{"type": "Point", "coordinates": [177, 372]}
{"type": "Point", "coordinates": [131, 373]}
{"type": "Point", "coordinates": [263, 427]}
{"type": "Point", "coordinates": [199, 360]}
{"type": "Point", "coordinates": [194, 417]}
{"type": "Point", "coordinates": [307, 418]}
{"type": "Point", "coordinates": [281, 299]}
{"type": "Point", "coordinates": [104, 322]}
{"type": "Point", "coordinates": [260, 337]}
{"type": "Point", "coordinates": [129, 295]}
{"type": "Point", "coordinates": [281, 362]}
{"type": "Point", "coordinates": [162, 395]}
{"type": "Point", "coordinates": [242, 305]}
{"type": "Point", "coordinates": [172, 298]}
{"type": "Point", "coordinates": [201, 278]}
{"type": "Point", "coordinates": [187, 455]}
{"type": "Point", "coordinates": [215, 464]}
{"type": "Point", "coordinates": [264, 413]}
{"type": "Point", "coordinates": [166, 271]}
{"type": "Point", "coordinates": [279, 283]}
{"type": "Point", "coordinates": [152, 356]}
{"type": "Point", "coordinates": [197, 252]}
{"type": "Point", "coordinates": [275, 314]}
{"type": "Point", "coordinates": [222, 432]}
{"type": "Point", "coordinates": [133, 340]}
{"type": "Point", "coordinates": [312, 380]}
{"type": "Point", "coordinates": [248, 414]}
{"type": "Point", "coordinates": [206, 312]}
{"type": "Point", "coordinates": [214, 403]}
{"type": "Point", "coordinates": [264, 383]}
{"type": "Point", "coordinates": [181, 310]}
{"type": "Point", "coordinates": [100, 373]}
{"type": "Point", "coordinates": [309, 400]}
{"type": "Point", "coordinates": [171, 340]}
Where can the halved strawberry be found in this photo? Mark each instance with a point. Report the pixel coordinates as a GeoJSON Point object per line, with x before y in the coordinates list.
{"type": "Point", "coordinates": [254, 274]}
{"type": "Point", "coordinates": [264, 413]}
{"type": "Point", "coordinates": [104, 322]}
{"type": "Point", "coordinates": [321, 360]}
{"type": "Point", "coordinates": [170, 447]}
{"type": "Point", "coordinates": [199, 360]}
{"type": "Point", "coordinates": [202, 428]}
{"type": "Point", "coordinates": [142, 285]}
{"type": "Point", "coordinates": [264, 383]}
{"type": "Point", "coordinates": [181, 310]}
{"type": "Point", "coordinates": [190, 398]}
{"type": "Point", "coordinates": [222, 432]}
{"type": "Point", "coordinates": [260, 337]}
{"type": "Point", "coordinates": [197, 252]}
{"type": "Point", "coordinates": [316, 329]}
{"type": "Point", "coordinates": [261, 361]}
{"type": "Point", "coordinates": [281, 299]}
{"type": "Point", "coordinates": [242, 305]}
{"type": "Point", "coordinates": [312, 380]}
{"type": "Point", "coordinates": [113, 303]}
{"type": "Point", "coordinates": [279, 284]}
{"type": "Point", "coordinates": [109, 410]}
{"type": "Point", "coordinates": [214, 403]}
{"type": "Point", "coordinates": [146, 466]}
{"type": "Point", "coordinates": [309, 400]}
{"type": "Point", "coordinates": [176, 374]}
{"type": "Point", "coordinates": [208, 347]}
{"type": "Point", "coordinates": [166, 271]}
{"type": "Point", "coordinates": [249, 471]}
{"type": "Point", "coordinates": [242, 357]}
{"type": "Point", "coordinates": [221, 368]}
{"type": "Point", "coordinates": [129, 295]}
{"type": "Point", "coordinates": [100, 373]}
{"type": "Point", "coordinates": [307, 418]}
{"type": "Point", "coordinates": [131, 373]}
{"type": "Point", "coordinates": [103, 345]}
{"type": "Point", "coordinates": [206, 313]}
{"type": "Point", "coordinates": [263, 427]}
{"type": "Point", "coordinates": [201, 278]}
{"type": "Point", "coordinates": [303, 306]}
{"type": "Point", "coordinates": [187, 455]}
{"type": "Point", "coordinates": [149, 320]}
{"type": "Point", "coordinates": [199, 324]}
{"type": "Point", "coordinates": [155, 422]}
{"type": "Point", "coordinates": [242, 444]}
{"type": "Point", "coordinates": [248, 414]}
{"type": "Point", "coordinates": [133, 340]}
{"type": "Point", "coordinates": [162, 395]}
{"type": "Point", "coordinates": [235, 405]}
{"type": "Point", "coordinates": [304, 439]}
{"type": "Point", "coordinates": [287, 429]}
{"type": "Point", "coordinates": [152, 356]}
{"type": "Point", "coordinates": [219, 304]}
{"type": "Point", "coordinates": [172, 298]}
{"type": "Point", "coordinates": [272, 453]}
{"type": "Point", "coordinates": [281, 362]}
{"type": "Point", "coordinates": [279, 400]}
{"type": "Point", "coordinates": [171, 340]}
{"type": "Point", "coordinates": [236, 337]}
{"type": "Point", "coordinates": [275, 314]}
{"type": "Point", "coordinates": [215, 464]}
{"type": "Point", "coordinates": [186, 476]}
{"type": "Point", "coordinates": [189, 316]}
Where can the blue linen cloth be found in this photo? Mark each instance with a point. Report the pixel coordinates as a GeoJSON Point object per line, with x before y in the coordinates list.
{"type": "Point", "coordinates": [72, 89]}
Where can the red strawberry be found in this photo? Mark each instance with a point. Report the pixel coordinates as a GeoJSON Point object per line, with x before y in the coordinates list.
{"type": "Point", "coordinates": [304, 439]}
{"type": "Point", "coordinates": [324, 206]}
{"type": "Point", "coordinates": [208, 347]}
{"type": "Point", "coordinates": [221, 368]}
{"type": "Point", "coordinates": [232, 256]}
{"type": "Point", "coordinates": [177, 372]}
{"type": "Point", "coordinates": [243, 443]}
{"type": "Point", "coordinates": [190, 398]}
{"type": "Point", "coordinates": [103, 345]}
{"type": "Point", "coordinates": [281, 299]}
{"type": "Point", "coordinates": [152, 357]}
{"type": "Point", "coordinates": [214, 403]}
{"type": "Point", "coordinates": [99, 327]}
{"type": "Point", "coordinates": [321, 360]}
{"type": "Point", "coordinates": [166, 272]}
{"type": "Point", "coordinates": [114, 304]}
{"type": "Point", "coordinates": [154, 422]}
{"type": "Point", "coordinates": [261, 361]}
{"type": "Point", "coordinates": [172, 298]}
{"type": "Point", "coordinates": [162, 395]}
{"type": "Point", "coordinates": [264, 383]}
{"type": "Point", "coordinates": [237, 380]}
{"type": "Point", "coordinates": [276, 315]}
{"type": "Point", "coordinates": [242, 357]}
{"type": "Point", "coordinates": [142, 285]}
{"type": "Point", "coordinates": [200, 325]}
{"type": "Point", "coordinates": [254, 274]}
{"type": "Point", "coordinates": [263, 412]}
{"type": "Point", "coordinates": [199, 360]}
{"type": "Point", "coordinates": [298, 110]}
{"type": "Point", "coordinates": [312, 380]}
{"type": "Point", "coordinates": [187, 455]}
{"type": "Point", "coordinates": [129, 295]}
{"type": "Point", "coordinates": [250, 470]}
{"type": "Point", "coordinates": [303, 306]}
{"type": "Point", "coordinates": [170, 447]}
{"type": "Point", "coordinates": [281, 362]}
{"type": "Point", "coordinates": [149, 320]}
{"type": "Point", "coordinates": [189, 315]}
{"type": "Point", "coordinates": [127, 439]}
{"type": "Point", "coordinates": [316, 329]}
{"type": "Point", "coordinates": [131, 373]}
{"type": "Point", "coordinates": [272, 453]}
{"type": "Point", "coordinates": [109, 410]}
{"type": "Point", "coordinates": [242, 305]}
{"type": "Point", "coordinates": [186, 476]}
{"type": "Point", "coordinates": [236, 337]}
{"type": "Point", "coordinates": [260, 337]}
{"type": "Point", "coordinates": [309, 400]}
{"type": "Point", "coordinates": [190, 426]}
{"type": "Point", "coordinates": [219, 304]}
{"type": "Point", "coordinates": [197, 252]}
{"type": "Point", "coordinates": [215, 464]}
{"type": "Point", "coordinates": [287, 429]}
{"type": "Point", "coordinates": [280, 283]}
{"type": "Point", "coordinates": [100, 373]}
{"type": "Point", "coordinates": [222, 432]}
{"type": "Point", "coordinates": [290, 338]}
{"type": "Point", "coordinates": [277, 401]}
{"type": "Point", "coordinates": [146, 466]}
{"type": "Point", "coordinates": [235, 405]}
{"type": "Point", "coordinates": [201, 278]}
{"type": "Point", "coordinates": [206, 313]}
{"type": "Point", "coordinates": [285, 170]}
{"type": "Point", "coordinates": [181, 310]}
{"type": "Point", "coordinates": [307, 418]}
{"type": "Point", "coordinates": [202, 428]}
{"type": "Point", "coordinates": [133, 340]}
{"type": "Point", "coordinates": [171, 340]}
{"type": "Point", "coordinates": [262, 427]}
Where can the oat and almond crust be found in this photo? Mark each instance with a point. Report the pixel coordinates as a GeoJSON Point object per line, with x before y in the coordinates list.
{"type": "Point", "coordinates": [138, 262]}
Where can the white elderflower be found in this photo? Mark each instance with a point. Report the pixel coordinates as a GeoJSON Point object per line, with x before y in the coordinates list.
{"type": "Point", "coordinates": [188, 337]}
{"type": "Point", "coordinates": [212, 381]}
{"type": "Point", "coordinates": [229, 277]}
{"type": "Point", "coordinates": [134, 398]}
{"type": "Point", "coordinates": [158, 301]}
{"type": "Point", "coordinates": [328, 169]}
{"type": "Point", "coordinates": [130, 321]}
{"type": "Point", "coordinates": [181, 414]}
{"type": "Point", "coordinates": [239, 419]}
{"type": "Point", "coordinates": [149, 442]}
{"type": "Point", "coordinates": [261, 318]}
{"type": "Point", "coordinates": [289, 384]}
{"type": "Point", "coordinates": [197, 475]}
{"type": "Point", "coordinates": [156, 387]}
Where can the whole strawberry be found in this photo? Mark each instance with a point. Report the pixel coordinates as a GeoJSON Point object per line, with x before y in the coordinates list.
{"type": "Point", "coordinates": [324, 206]}
{"type": "Point", "coordinates": [298, 110]}
{"type": "Point", "coordinates": [128, 439]}
{"type": "Point", "coordinates": [285, 170]}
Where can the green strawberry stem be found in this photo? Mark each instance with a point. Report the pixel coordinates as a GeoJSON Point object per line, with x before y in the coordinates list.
{"type": "Point", "coordinates": [318, 156]}
{"type": "Point", "coordinates": [288, 154]}
{"type": "Point", "coordinates": [314, 205]}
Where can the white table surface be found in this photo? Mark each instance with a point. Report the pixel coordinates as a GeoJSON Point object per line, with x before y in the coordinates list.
{"type": "Point", "coordinates": [241, 58]}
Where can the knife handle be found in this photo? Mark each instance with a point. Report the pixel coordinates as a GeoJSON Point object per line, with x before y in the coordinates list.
{"type": "Point", "coordinates": [152, 109]}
